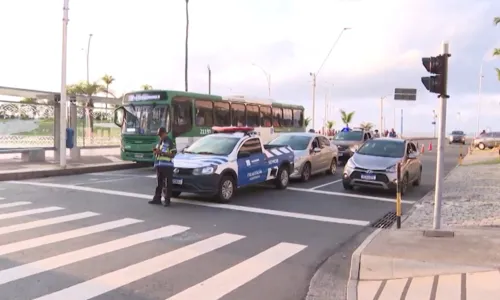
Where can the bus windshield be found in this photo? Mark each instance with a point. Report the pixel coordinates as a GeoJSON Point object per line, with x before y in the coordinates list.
{"type": "Point", "coordinates": [144, 119]}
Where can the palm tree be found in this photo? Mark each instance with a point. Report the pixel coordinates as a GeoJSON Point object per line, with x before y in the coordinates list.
{"type": "Point", "coordinates": [346, 117]}
{"type": "Point", "coordinates": [108, 80]}
{"type": "Point", "coordinates": [498, 73]}
{"type": "Point", "coordinates": [186, 48]}
{"type": "Point", "coordinates": [84, 88]}
{"type": "Point", "coordinates": [307, 121]}
{"type": "Point", "coordinates": [330, 124]}
{"type": "Point", "coordinates": [367, 126]}
{"type": "Point", "coordinates": [146, 87]}
{"type": "Point", "coordinates": [496, 51]}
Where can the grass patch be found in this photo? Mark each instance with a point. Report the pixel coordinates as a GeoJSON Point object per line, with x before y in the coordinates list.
{"type": "Point", "coordinates": [493, 161]}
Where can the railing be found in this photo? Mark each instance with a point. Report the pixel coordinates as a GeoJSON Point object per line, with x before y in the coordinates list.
{"type": "Point", "coordinates": [26, 125]}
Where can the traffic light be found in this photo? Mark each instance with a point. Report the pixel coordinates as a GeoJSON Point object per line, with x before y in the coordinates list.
{"type": "Point", "coordinates": [437, 65]}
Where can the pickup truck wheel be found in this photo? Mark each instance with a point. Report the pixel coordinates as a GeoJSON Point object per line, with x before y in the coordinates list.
{"type": "Point", "coordinates": [176, 194]}
{"type": "Point", "coordinates": [333, 167]}
{"type": "Point", "coordinates": [282, 178]}
{"type": "Point", "coordinates": [226, 189]}
{"type": "Point", "coordinates": [481, 146]}
{"type": "Point", "coordinates": [306, 172]}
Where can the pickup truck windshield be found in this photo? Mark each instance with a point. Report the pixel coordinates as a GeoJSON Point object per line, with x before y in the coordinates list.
{"type": "Point", "coordinates": [296, 142]}
{"type": "Point", "coordinates": [213, 145]}
{"type": "Point", "coordinates": [144, 119]}
{"type": "Point", "coordinates": [457, 132]}
{"type": "Point", "coordinates": [349, 136]}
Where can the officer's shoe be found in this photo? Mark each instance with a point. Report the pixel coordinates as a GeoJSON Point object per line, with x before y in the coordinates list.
{"type": "Point", "coordinates": [156, 200]}
{"type": "Point", "coordinates": [166, 202]}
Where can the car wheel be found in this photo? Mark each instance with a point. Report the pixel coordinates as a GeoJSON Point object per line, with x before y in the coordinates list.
{"type": "Point", "coordinates": [481, 146]}
{"type": "Point", "coordinates": [333, 167]}
{"type": "Point", "coordinates": [306, 172]}
{"type": "Point", "coordinates": [463, 143]}
{"type": "Point", "coordinates": [404, 185]}
{"type": "Point", "coordinates": [176, 194]}
{"type": "Point", "coordinates": [226, 190]}
{"type": "Point", "coordinates": [347, 186]}
{"type": "Point", "coordinates": [419, 178]}
{"type": "Point", "coordinates": [282, 178]}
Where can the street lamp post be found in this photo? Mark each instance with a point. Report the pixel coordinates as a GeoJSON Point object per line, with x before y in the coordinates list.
{"type": "Point", "coordinates": [481, 76]}
{"type": "Point", "coordinates": [209, 80]}
{"type": "Point", "coordinates": [88, 58]}
{"type": "Point", "coordinates": [62, 103]}
{"type": "Point", "coordinates": [315, 75]}
{"type": "Point", "coordinates": [268, 78]}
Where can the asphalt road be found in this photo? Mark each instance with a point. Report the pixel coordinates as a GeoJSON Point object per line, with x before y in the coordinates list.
{"type": "Point", "coordinates": [267, 244]}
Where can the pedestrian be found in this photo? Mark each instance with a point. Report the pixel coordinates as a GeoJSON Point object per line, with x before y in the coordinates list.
{"type": "Point", "coordinates": [393, 134]}
{"type": "Point", "coordinates": [377, 134]}
{"type": "Point", "coordinates": [164, 153]}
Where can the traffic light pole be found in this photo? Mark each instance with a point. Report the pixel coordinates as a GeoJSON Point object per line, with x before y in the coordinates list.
{"type": "Point", "coordinates": [441, 142]}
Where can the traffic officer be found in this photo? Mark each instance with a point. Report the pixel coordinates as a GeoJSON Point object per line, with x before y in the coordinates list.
{"type": "Point", "coordinates": [164, 153]}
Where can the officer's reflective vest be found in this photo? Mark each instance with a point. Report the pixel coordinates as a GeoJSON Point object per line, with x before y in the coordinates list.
{"type": "Point", "coordinates": [162, 159]}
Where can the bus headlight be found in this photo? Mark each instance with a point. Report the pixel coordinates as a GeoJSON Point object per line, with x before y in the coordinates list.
{"type": "Point", "coordinates": [205, 170]}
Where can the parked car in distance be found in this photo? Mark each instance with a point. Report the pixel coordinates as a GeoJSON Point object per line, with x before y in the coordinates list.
{"type": "Point", "coordinates": [457, 136]}
{"type": "Point", "coordinates": [313, 153]}
{"type": "Point", "coordinates": [374, 165]}
{"type": "Point", "coordinates": [487, 140]}
{"type": "Point", "coordinates": [349, 141]}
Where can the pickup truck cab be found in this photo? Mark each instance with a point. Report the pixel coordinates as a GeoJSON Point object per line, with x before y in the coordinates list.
{"type": "Point", "coordinates": [230, 158]}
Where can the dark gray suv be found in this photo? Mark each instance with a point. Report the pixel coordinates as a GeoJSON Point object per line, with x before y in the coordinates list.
{"type": "Point", "coordinates": [457, 136]}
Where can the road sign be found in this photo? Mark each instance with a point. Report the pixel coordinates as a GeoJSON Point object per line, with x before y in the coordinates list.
{"type": "Point", "coordinates": [405, 94]}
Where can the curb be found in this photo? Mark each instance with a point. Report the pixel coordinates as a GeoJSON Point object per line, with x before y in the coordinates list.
{"type": "Point", "coordinates": [23, 175]}
{"type": "Point", "coordinates": [352, 283]}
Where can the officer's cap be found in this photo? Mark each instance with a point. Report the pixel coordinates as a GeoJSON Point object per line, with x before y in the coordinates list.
{"type": "Point", "coordinates": [162, 130]}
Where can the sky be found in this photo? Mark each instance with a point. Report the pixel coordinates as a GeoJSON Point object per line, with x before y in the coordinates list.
{"type": "Point", "coordinates": [142, 42]}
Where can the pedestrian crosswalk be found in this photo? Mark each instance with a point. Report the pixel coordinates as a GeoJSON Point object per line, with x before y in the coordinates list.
{"type": "Point", "coordinates": [220, 284]}
{"type": "Point", "coordinates": [469, 286]}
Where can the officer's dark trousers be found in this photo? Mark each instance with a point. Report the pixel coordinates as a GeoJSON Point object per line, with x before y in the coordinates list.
{"type": "Point", "coordinates": [164, 182]}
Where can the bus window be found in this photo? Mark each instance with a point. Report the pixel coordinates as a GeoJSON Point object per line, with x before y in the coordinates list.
{"type": "Point", "coordinates": [253, 115]}
{"type": "Point", "coordinates": [204, 113]}
{"type": "Point", "coordinates": [238, 114]}
{"type": "Point", "coordinates": [221, 113]}
{"type": "Point", "coordinates": [182, 116]}
{"type": "Point", "coordinates": [297, 118]}
{"type": "Point", "coordinates": [277, 117]}
{"type": "Point", "coordinates": [266, 116]}
{"type": "Point", "coordinates": [287, 117]}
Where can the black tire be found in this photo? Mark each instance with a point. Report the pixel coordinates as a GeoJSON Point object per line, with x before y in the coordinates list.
{"type": "Point", "coordinates": [333, 167]}
{"type": "Point", "coordinates": [306, 172]}
{"type": "Point", "coordinates": [404, 185]}
{"type": "Point", "coordinates": [226, 182]}
{"type": "Point", "coordinates": [481, 146]}
{"type": "Point", "coordinates": [419, 179]}
{"type": "Point", "coordinates": [176, 194]}
{"type": "Point", "coordinates": [347, 186]}
{"type": "Point", "coordinates": [463, 143]}
{"type": "Point", "coordinates": [282, 178]}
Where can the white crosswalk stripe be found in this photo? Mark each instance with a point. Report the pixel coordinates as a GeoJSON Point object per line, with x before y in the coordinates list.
{"type": "Point", "coordinates": [215, 287]}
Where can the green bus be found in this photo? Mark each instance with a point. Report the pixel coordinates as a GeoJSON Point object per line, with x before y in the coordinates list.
{"type": "Point", "coordinates": [189, 116]}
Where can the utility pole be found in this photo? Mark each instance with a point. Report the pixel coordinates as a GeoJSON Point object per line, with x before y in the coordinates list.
{"type": "Point", "coordinates": [209, 80]}
{"type": "Point", "coordinates": [479, 97]}
{"type": "Point", "coordinates": [88, 58]}
{"type": "Point", "coordinates": [438, 84]}
{"type": "Point", "coordinates": [268, 78]}
{"type": "Point", "coordinates": [314, 76]}
{"type": "Point", "coordinates": [63, 100]}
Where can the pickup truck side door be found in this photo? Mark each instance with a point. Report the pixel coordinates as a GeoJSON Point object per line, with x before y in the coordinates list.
{"type": "Point", "coordinates": [252, 163]}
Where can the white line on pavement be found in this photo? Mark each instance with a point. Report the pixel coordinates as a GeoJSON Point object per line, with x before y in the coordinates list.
{"type": "Point", "coordinates": [320, 186]}
{"type": "Point", "coordinates": [349, 195]}
{"type": "Point", "coordinates": [205, 204]}
{"type": "Point", "coordinates": [113, 159]}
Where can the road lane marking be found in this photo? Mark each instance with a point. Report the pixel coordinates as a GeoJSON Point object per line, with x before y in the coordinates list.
{"type": "Point", "coordinates": [349, 195]}
{"type": "Point", "coordinates": [46, 222]}
{"type": "Point", "coordinates": [111, 281]}
{"type": "Point", "coordinates": [1, 198]}
{"type": "Point", "coordinates": [14, 204]}
{"type": "Point", "coordinates": [29, 212]}
{"type": "Point", "coordinates": [54, 262]}
{"type": "Point", "coordinates": [256, 210]}
{"type": "Point", "coordinates": [63, 236]}
{"type": "Point", "coordinates": [323, 185]}
{"type": "Point", "coordinates": [113, 159]}
{"type": "Point", "coordinates": [227, 281]}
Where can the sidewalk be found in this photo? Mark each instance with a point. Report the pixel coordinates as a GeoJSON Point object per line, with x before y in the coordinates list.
{"type": "Point", "coordinates": [91, 160]}
{"type": "Point", "coordinates": [405, 264]}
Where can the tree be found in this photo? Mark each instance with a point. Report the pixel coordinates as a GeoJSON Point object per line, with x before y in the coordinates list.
{"type": "Point", "coordinates": [84, 88]}
{"type": "Point", "coordinates": [30, 104]}
{"type": "Point", "coordinates": [186, 48]}
{"type": "Point", "coordinates": [346, 117]}
{"type": "Point", "coordinates": [307, 121]}
{"type": "Point", "coordinates": [146, 87]}
{"type": "Point", "coordinates": [367, 126]}
{"type": "Point", "coordinates": [108, 80]}
{"type": "Point", "coordinates": [330, 124]}
{"type": "Point", "coordinates": [496, 51]}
